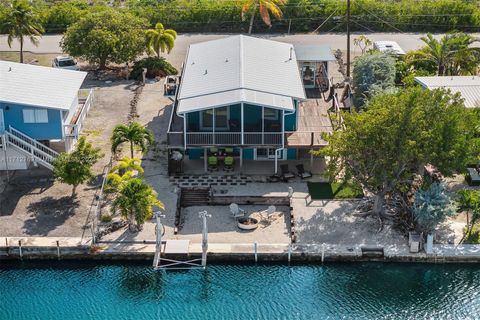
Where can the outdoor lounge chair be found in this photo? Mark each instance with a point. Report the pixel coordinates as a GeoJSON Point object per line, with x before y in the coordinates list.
{"type": "Point", "coordinates": [236, 211]}
{"type": "Point", "coordinates": [302, 173]}
{"type": "Point", "coordinates": [212, 163]}
{"type": "Point", "coordinates": [286, 174]}
{"type": "Point", "coordinates": [228, 163]}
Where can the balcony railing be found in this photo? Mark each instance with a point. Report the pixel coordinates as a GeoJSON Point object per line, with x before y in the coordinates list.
{"type": "Point", "coordinates": [224, 138]}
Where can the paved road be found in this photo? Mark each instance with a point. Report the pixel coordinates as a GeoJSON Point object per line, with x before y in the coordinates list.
{"type": "Point", "coordinates": [408, 41]}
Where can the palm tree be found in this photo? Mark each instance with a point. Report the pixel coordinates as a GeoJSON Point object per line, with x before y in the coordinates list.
{"type": "Point", "coordinates": [265, 7]}
{"type": "Point", "coordinates": [451, 55]}
{"type": "Point", "coordinates": [135, 134]}
{"type": "Point", "coordinates": [135, 201]}
{"type": "Point", "coordinates": [469, 201]}
{"type": "Point", "coordinates": [160, 39]}
{"type": "Point", "coordinates": [21, 21]}
{"type": "Point", "coordinates": [123, 171]}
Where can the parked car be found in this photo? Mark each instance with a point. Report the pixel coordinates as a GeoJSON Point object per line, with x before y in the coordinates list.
{"type": "Point", "coordinates": [65, 62]}
{"type": "Point", "coordinates": [389, 47]}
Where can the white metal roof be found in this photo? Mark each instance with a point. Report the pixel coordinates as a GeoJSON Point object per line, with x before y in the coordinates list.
{"type": "Point", "coordinates": [39, 86]}
{"type": "Point", "coordinates": [389, 46]}
{"type": "Point", "coordinates": [240, 69]}
{"type": "Point", "coordinates": [467, 86]}
{"type": "Point", "coordinates": [314, 53]}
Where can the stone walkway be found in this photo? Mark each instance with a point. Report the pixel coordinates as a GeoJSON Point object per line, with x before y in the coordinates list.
{"type": "Point", "coordinates": [210, 180]}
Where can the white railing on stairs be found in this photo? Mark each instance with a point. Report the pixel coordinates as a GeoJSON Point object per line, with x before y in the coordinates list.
{"type": "Point", "coordinates": [38, 152]}
{"type": "Point", "coordinates": [72, 131]}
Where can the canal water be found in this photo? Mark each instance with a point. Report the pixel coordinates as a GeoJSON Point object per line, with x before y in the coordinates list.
{"type": "Point", "coordinates": [73, 290]}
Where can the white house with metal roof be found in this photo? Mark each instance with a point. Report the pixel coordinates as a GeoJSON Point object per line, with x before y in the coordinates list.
{"type": "Point", "coordinates": [467, 86]}
{"type": "Point", "coordinates": [38, 105]}
{"type": "Point", "coordinates": [239, 96]}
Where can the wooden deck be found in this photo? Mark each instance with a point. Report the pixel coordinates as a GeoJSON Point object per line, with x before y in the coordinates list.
{"type": "Point", "coordinates": [313, 121]}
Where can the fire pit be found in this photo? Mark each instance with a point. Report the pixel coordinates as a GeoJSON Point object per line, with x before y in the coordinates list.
{"type": "Point", "coordinates": [246, 223]}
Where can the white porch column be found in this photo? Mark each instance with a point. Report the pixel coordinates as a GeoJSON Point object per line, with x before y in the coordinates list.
{"type": "Point", "coordinates": [263, 125]}
{"type": "Point", "coordinates": [241, 120]}
{"type": "Point", "coordinates": [283, 128]}
{"type": "Point", "coordinates": [213, 126]}
{"type": "Point", "coordinates": [185, 131]}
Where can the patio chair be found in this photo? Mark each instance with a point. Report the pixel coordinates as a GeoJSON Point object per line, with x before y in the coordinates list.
{"type": "Point", "coordinates": [286, 174]}
{"type": "Point", "coordinates": [213, 151]}
{"type": "Point", "coordinates": [270, 211]}
{"type": "Point", "coordinates": [236, 211]}
{"type": "Point", "coordinates": [302, 173]}
{"type": "Point", "coordinates": [212, 163]}
{"type": "Point", "coordinates": [228, 163]}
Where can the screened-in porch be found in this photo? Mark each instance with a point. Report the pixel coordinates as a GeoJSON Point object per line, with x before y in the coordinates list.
{"type": "Point", "coordinates": [240, 124]}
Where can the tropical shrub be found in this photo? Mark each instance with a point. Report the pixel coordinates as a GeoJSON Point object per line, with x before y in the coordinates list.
{"type": "Point", "coordinates": [432, 206]}
{"type": "Point", "coordinates": [104, 37]}
{"type": "Point", "coordinates": [372, 74]}
{"type": "Point", "coordinates": [76, 167]}
{"type": "Point", "coordinates": [156, 67]}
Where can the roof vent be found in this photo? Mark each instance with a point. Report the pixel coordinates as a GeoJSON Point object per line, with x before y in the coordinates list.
{"type": "Point", "coordinates": [291, 52]}
{"type": "Point", "coordinates": [193, 62]}
{"type": "Point", "coordinates": [9, 69]}
{"type": "Point", "coordinates": [206, 71]}
{"type": "Point", "coordinates": [226, 59]}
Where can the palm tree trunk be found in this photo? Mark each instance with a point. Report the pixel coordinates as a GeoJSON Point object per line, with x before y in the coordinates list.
{"type": "Point", "coordinates": [131, 149]}
{"type": "Point", "coordinates": [21, 49]}
{"type": "Point", "coordinates": [252, 18]}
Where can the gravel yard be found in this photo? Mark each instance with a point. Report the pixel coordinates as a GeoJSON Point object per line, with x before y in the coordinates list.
{"type": "Point", "coordinates": [35, 205]}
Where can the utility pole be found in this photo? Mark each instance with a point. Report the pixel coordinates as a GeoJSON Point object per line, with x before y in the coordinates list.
{"type": "Point", "coordinates": [348, 40]}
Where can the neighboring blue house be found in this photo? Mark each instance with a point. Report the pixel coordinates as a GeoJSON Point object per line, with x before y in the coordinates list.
{"type": "Point", "coordinates": [38, 105]}
{"type": "Point", "coordinates": [241, 95]}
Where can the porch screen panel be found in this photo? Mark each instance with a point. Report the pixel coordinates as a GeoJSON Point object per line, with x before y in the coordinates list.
{"type": "Point", "coordinates": [221, 118]}
{"type": "Point", "coordinates": [207, 119]}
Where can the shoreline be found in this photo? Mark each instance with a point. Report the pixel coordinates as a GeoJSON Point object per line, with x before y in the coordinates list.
{"type": "Point", "coordinates": [49, 248]}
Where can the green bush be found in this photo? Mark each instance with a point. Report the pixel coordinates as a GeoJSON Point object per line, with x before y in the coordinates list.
{"type": "Point", "coordinates": [474, 237]}
{"type": "Point", "coordinates": [156, 67]}
{"type": "Point", "coordinates": [105, 218]}
{"type": "Point", "coordinates": [299, 15]}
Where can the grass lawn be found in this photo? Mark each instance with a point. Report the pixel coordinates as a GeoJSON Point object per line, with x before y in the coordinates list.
{"type": "Point", "coordinates": [335, 190]}
{"type": "Point", "coordinates": [44, 59]}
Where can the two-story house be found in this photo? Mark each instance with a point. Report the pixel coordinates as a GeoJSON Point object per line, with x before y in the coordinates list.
{"type": "Point", "coordinates": [241, 95]}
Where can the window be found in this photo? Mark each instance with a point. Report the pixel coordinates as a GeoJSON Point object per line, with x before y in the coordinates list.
{"type": "Point", "coordinates": [268, 154]}
{"type": "Point", "coordinates": [35, 116]}
{"type": "Point", "coordinates": [221, 118]}
{"type": "Point", "coordinates": [270, 114]}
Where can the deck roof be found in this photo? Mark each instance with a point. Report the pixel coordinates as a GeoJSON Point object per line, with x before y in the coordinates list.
{"type": "Point", "coordinates": [314, 53]}
{"type": "Point", "coordinates": [467, 86]}
{"type": "Point", "coordinates": [240, 69]}
{"type": "Point", "coordinates": [33, 85]}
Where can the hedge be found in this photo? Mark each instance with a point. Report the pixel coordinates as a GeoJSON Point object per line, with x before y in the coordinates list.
{"type": "Point", "coordinates": [299, 15]}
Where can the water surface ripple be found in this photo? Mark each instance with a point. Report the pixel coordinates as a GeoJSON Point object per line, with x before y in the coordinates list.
{"type": "Point", "coordinates": [73, 290]}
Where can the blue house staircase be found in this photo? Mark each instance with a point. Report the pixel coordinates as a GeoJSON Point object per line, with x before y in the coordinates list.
{"type": "Point", "coordinates": [38, 152]}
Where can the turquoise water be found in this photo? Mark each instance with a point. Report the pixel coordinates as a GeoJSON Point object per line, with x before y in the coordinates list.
{"type": "Point", "coordinates": [60, 290]}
